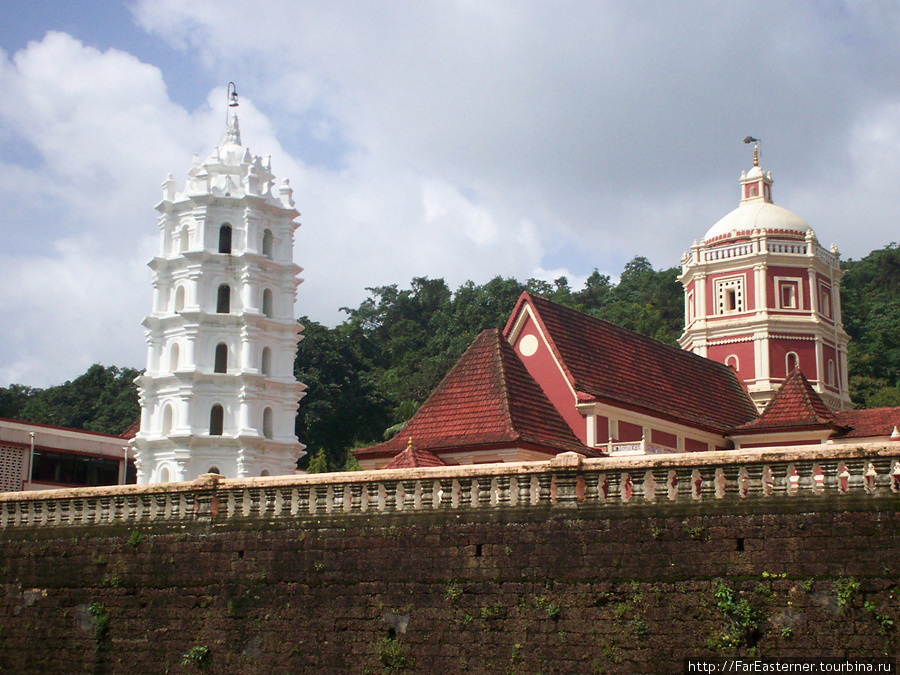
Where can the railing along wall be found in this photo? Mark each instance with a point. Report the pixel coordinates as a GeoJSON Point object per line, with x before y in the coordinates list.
{"type": "Point", "coordinates": [567, 481]}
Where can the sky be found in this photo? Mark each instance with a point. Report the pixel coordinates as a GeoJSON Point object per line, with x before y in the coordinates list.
{"type": "Point", "coordinates": [461, 139]}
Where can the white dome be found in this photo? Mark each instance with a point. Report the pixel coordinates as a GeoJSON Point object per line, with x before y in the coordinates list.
{"type": "Point", "coordinates": [757, 215]}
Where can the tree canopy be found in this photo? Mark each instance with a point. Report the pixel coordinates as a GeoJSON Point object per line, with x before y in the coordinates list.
{"type": "Point", "coordinates": [368, 375]}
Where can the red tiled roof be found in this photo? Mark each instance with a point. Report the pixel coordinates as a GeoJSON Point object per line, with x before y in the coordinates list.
{"type": "Point", "coordinates": [868, 423]}
{"type": "Point", "coordinates": [622, 367]}
{"type": "Point", "coordinates": [412, 457]}
{"type": "Point", "coordinates": [796, 405]}
{"type": "Point", "coordinates": [132, 431]}
{"type": "Point", "coordinates": [487, 399]}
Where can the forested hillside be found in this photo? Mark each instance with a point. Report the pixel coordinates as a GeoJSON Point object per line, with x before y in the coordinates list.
{"type": "Point", "coordinates": [368, 375]}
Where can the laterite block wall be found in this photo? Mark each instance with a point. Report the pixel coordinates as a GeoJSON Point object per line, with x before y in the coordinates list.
{"type": "Point", "coordinates": [537, 590]}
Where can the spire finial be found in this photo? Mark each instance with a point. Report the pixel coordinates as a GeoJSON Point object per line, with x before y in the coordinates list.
{"type": "Point", "coordinates": [750, 139]}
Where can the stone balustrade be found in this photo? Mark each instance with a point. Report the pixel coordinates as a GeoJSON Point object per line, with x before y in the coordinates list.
{"type": "Point", "coordinates": [568, 481]}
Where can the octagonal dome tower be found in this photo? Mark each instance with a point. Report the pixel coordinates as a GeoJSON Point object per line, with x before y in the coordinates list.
{"type": "Point", "coordinates": [762, 296]}
{"type": "Point", "coordinates": [219, 393]}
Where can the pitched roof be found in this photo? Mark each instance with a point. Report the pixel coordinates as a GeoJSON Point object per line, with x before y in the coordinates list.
{"type": "Point", "coordinates": [412, 457]}
{"type": "Point", "coordinates": [619, 366]}
{"type": "Point", "coordinates": [487, 399]}
{"type": "Point", "coordinates": [796, 405]}
{"type": "Point", "coordinates": [872, 422]}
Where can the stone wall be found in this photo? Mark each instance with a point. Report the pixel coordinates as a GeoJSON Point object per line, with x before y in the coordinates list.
{"type": "Point", "coordinates": [623, 565]}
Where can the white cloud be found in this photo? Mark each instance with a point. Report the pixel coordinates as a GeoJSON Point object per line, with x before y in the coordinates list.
{"type": "Point", "coordinates": [449, 139]}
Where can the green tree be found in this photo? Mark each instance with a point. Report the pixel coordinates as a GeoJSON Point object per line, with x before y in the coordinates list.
{"type": "Point", "coordinates": [13, 400]}
{"type": "Point", "coordinates": [103, 399]}
{"type": "Point", "coordinates": [343, 404]}
{"type": "Point", "coordinates": [870, 302]}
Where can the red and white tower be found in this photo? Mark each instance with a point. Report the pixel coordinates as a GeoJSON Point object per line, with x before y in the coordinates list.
{"type": "Point", "coordinates": [763, 297]}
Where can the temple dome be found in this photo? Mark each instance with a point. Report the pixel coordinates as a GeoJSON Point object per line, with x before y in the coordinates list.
{"type": "Point", "coordinates": [757, 215]}
{"type": "Point", "coordinates": [756, 210]}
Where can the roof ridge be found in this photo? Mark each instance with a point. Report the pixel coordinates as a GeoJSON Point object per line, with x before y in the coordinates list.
{"type": "Point", "coordinates": [504, 388]}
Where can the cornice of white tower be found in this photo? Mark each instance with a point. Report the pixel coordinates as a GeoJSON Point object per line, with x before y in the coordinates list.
{"type": "Point", "coordinates": [230, 170]}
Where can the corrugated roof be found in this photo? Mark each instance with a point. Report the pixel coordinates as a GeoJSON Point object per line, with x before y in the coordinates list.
{"type": "Point", "coordinates": [619, 366]}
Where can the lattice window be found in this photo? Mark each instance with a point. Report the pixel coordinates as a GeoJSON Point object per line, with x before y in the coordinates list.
{"type": "Point", "coordinates": [11, 468]}
{"type": "Point", "coordinates": [730, 295]}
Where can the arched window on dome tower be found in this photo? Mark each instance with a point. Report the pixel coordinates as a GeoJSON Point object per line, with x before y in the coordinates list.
{"type": "Point", "coordinates": [225, 238]}
{"type": "Point", "coordinates": [267, 243]}
{"type": "Point", "coordinates": [791, 361]}
{"type": "Point", "coordinates": [223, 299]}
{"type": "Point", "coordinates": [732, 362]}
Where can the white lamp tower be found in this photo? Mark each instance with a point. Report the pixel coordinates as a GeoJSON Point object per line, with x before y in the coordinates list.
{"type": "Point", "coordinates": [219, 394]}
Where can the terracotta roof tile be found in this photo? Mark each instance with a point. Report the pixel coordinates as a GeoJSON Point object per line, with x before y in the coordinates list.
{"type": "Point", "coordinates": [412, 457]}
{"type": "Point", "coordinates": [796, 405]}
{"type": "Point", "coordinates": [872, 422]}
{"type": "Point", "coordinates": [622, 367]}
{"type": "Point", "coordinates": [487, 399]}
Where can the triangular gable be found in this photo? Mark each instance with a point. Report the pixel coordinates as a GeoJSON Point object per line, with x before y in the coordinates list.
{"type": "Point", "coordinates": [613, 365]}
{"type": "Point", "coordinates": [488, 399]}
{"type": "Point", "coordinates": [412, 457]}
{"type": "Point", "coordinates": [795, 406]}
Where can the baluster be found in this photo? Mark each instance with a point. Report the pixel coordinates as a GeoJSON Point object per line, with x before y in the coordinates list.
{"type": "Point", "coordinates": [566, 496]}
{"type": "Point", "coordinates": [446, 502]}
{"type": "Point", "coordinates": [390, 495]}
{"type": "Point", "coordinates": [484, 491]}
{"type": "Point", "coordinates": [503, 491]}
{"type": "Point", "coordinates": [372, 501]}
{"type": "Point", "coordinates": [269, 493]}
{"type": "Point", "coordinates": [321, 492]}
{"type": "Point", "coordinates": [426, 494]}
{"type": "Point", "coordinates": [409, 496]}
{"type": "Point", "coordinates": [304, 505]}
{"type": "Point", "coordinates": [356, 490]}
{"type": "Point", "coordinates": [545, 489]}
{"type": "Point", "coordinates": [465, 493]}
{"type": "Point", "coordinates": [523, 490]}
{"type": "Point", "coordinates": [239, 502]}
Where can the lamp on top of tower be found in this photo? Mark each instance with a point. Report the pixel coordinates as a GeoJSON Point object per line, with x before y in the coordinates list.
{"type": "Point", "coordinates": [233, 96]}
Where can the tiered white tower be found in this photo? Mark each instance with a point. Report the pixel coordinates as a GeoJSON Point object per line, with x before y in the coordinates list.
{"type": "Point", "coordinates": [763, 297]}
{"type": "Point", "coordinates": [219, 394]}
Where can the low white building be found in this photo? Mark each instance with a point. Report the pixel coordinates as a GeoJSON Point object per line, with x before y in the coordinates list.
{"type": "Point", "coordinates": [42, 457]}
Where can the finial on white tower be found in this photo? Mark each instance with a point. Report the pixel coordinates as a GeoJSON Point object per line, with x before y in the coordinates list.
{"type": "Point", "coordinates": [232, 131]}
{"type": "Point", "coordinates": [232, 99]}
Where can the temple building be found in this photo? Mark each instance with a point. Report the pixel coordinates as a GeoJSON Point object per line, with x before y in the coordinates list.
{"type": "Point", "coordinates": [763, 364]}
{"type": "Point", "coordinates": [219, 393]}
